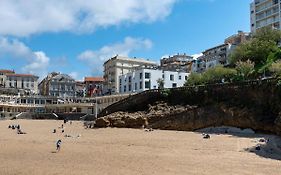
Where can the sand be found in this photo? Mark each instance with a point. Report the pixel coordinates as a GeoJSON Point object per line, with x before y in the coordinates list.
{"type": "Point", "coordinates": [126, 152]}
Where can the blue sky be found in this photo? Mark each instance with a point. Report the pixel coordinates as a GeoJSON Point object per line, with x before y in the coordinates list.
{"type": "Point", "coordinates": [77, 37]}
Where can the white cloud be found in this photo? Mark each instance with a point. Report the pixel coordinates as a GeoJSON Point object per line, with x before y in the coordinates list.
{"type": "Point", "coordinates": [74, 75]}
{"type": "Point", "coordinates": [35, 62]}
{"type": "Point", "coordinates": [95, 59]}
{"type": "Point", "coordinates": [23, 18]}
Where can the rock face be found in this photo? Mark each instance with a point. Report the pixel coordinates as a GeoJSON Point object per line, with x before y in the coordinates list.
{"type": "Point", "coordinates": [249, 104]}
{"type": "Point", "coordinates": [190, 118]}
{"type": "Point", "coordinates": [122, 120]}
{"type": "Point", "coordinates": [102, 123]}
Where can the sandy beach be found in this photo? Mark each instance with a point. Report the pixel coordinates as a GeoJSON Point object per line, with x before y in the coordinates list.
{"type": "Point", "coordinates": [126, 151]}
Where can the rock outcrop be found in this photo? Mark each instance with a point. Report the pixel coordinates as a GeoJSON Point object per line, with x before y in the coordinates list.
{"type": "Point", "coordinates": [190, 118]}
{"type": "Point", "coordinates": [122, 120]}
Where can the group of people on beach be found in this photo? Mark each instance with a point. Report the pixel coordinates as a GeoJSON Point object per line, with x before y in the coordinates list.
{"type": "Point", "coordinates": [17, 127]}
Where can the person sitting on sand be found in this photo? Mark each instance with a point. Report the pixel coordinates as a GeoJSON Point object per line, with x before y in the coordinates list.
{"type": "Point", "coordinates": [206, 136]}
{"type": "Point", "coordinates": [19, 131]}
{"type": "Point", "coordinates": [58, 145]}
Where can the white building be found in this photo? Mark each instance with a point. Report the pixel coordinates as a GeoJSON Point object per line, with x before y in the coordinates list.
{"type": "Point", "coordinates": [117, 66]}
{"type": "Point", "coordinates": [145, 79]}
{"type": "Point", "coordinates": [265, 13]}
{"type": "Point", "coordinates": [22, 81]}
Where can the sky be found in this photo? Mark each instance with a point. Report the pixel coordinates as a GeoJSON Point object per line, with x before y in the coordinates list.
{"type": "Point", "coordinates": [77, 36]}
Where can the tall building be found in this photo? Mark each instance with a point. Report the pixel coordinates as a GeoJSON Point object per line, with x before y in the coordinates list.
{"type": "Point", "coordinates": [265, 13]}
{"type": "Point", "coordinates": [59, 85]}
{"type": "Point", "coordinates": [117, 66]}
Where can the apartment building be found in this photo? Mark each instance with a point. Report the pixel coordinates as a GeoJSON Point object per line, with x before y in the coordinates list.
{"type": "Point", "coordinates": [214, 56]}
{"type": "Point", "coordinates": [179, 62]}
{"type": "Point", "coordinates": [94, 86]}
{"type": "Point", "coordinates": [58, 85]}
{"type": "Point", "coordinates": [147, 78]}
{"type": "Point", "coordinates": [265, 13]}
{"type": "Point", "coordinates": [220, 54]}
{"type": "Point", "coordinates": [3, 73]}
{"type": "Point", "coordinates": [26, 82]}
{"type": "Point", "coordinates": [117, 66]}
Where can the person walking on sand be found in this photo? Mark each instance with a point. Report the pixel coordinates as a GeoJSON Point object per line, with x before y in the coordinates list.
{"type": "Point", "coordinates": [58, 145]}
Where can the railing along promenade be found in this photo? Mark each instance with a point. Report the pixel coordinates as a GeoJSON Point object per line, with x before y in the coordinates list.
{"type": "Point", "coordinates": [140, 97]}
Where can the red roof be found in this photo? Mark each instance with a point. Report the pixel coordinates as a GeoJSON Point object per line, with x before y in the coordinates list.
{"type": "Point", "coordinates": [96, 79]}
{"type": "Point", "coordinates": [6, 71]}
{"type": "Point", "coordinates": [21, 75]}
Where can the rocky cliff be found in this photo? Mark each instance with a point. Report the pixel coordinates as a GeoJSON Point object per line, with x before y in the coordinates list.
{"type": "Point", "coordinates": [256, 105]}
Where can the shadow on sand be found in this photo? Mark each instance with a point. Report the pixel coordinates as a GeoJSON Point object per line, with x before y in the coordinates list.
{"type": "Point", "coordinates": [267, 146]}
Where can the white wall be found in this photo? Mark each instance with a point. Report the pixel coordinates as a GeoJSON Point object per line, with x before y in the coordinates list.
{"type": "Point", "coordinates": [179, 80]}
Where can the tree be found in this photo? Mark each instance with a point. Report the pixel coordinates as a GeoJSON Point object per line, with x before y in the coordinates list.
{"type": "Point", "coordinates": [263, 43]}
{"type": "Point", "coordinates": [276, 68]}
{"type": "Point", "coordinates": [160, 83]}
{"type": "Point", "coordinates": [217, 74]}
{"type": "Point", "coordinates": [194, 79]}
{"type": "Point", "coordinates": [245, 69]}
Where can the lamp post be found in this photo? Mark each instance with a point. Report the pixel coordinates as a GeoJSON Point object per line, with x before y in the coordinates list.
{"type": "Point", "coordinates": [96, 108]}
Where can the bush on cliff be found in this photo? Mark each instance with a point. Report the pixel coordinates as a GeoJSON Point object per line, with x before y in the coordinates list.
{"type": "Point", "coordinates": [245, 69]}
{"type": "Point", "coordinates": [262, 49]}
{"type": "Point", "coordinates": [217, 74]}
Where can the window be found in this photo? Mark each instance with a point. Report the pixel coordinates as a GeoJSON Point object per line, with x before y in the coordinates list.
{"type": "Point", "coordinates": [141, 85]}
{"type": "Point", "coordinates": [163, 76]}
{"type": "Point", "coordinates": [185, 77]}
{"type": "Point", "coordinates": [147, 75]}
{"type": "Point", "coordinates": [130, 87]}
{"type": "Point", "coordinates": [179, 77]}
{"type": "Point", "coordinates": [130, 79]}
{"type": "Point", "coordinates": [125, 89]}
{"type": "Point", "coordinates": [147, 85]}
{"type": "Point", "coordinates": [136, 86]}
{"type": "Point", "coordinates": [172, 77]}
{"type": "Point", "coordinates": [140, 75]}
{"type": "Point", "coordinates": [174, 85]}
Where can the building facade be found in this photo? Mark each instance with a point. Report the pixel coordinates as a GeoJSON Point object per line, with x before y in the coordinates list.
{"type": "Point", "coordinates": [179, 62]}
{"type": "Point", "coordinates": [94, 86]}
{"type": "Point", "coordinates": [212, 57]}
{"type": "Point", "coordinates": [220, 55]}
{"type": "Point", "coordinates": [117, 66]}
{"type": "Point", "coordinates": [58, 85]}
{"type": "Point", "coordinates": [265, 13]}
{"type": "Point", "coordinates": [26, 82]}
{"type": "Point", "coordinates": [3, 73]}
{"type": "Point", "coordinates": [146, 79]}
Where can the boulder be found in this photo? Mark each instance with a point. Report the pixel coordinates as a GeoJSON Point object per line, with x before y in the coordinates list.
{"type": "Point", "coordinates": [102, 122]}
